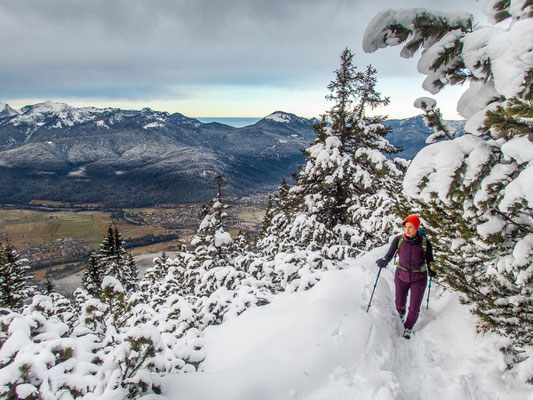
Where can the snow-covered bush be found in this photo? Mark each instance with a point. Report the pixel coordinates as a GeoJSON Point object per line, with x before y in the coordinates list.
{"type": "Point", "coordinates": [41, 357]}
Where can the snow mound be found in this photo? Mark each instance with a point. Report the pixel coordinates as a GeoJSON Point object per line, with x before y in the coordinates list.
{"type": "Point", "coordinates": [321, 344]}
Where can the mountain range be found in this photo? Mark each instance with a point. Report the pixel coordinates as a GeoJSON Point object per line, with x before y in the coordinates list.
{"type": "Point", "coordinates": [126, 158]}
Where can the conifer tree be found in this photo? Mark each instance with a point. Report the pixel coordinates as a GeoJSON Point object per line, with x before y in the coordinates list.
{"type": "Point", "coordinates": [131, 273]}
{"type": "Point", "coordinates": [49, 285]}
{"type": "Point", "coordinates": [375, 179]}
{"type": "Point", "coordinates": [211, 240]}
{"type": "Point", "coordinates": [14, 278]}
{"type": "Point", "coordinates": [344, 194]}
{"type": "Point", "coordinates": [166, 278]}
{"type": "Point", "coordinates": [242, 244]}
{"type": "Point", "coordinates": [274, 237]}
{"type": "Point", "coordinates": [93, 276]}
{"type": "Point", "coordinates": [130, 354]}
{"type": "Point", "coordinates": [157, 272]}
{"type": "Point", "coordinates": [111, 260]}
{"type": "Point", "coordinates": [213, 248]}
{"type": "Point", "coordinates": [269, 214]}
{"type": "Point", "coordinates": [40, 349]}
{"type": "Point", "coordinates": [283, 195]}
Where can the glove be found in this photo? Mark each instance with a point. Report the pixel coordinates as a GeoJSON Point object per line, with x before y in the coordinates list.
{"type": "Point", "coordinates": [431, 273]}
{"type": "Point", "coordinates": [381, 263]}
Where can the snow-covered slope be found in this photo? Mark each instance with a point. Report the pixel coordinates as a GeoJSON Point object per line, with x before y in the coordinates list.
{"type": "Point", "coordinates": [321, 344]}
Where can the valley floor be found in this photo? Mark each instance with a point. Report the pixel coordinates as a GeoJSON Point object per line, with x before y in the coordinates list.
{"type": "Point", "coordinates": [321, 344]}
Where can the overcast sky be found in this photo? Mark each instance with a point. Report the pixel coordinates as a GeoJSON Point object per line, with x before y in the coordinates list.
{"type": "Point", "coordinates": [203, 58]}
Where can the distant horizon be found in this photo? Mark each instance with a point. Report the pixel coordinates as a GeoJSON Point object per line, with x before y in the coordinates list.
{"type": "Point", "coordinates": [236, 122]}
{"type": "Point", "coordinates": [313, 107]}
{"type": "Point", "coordinates": [17, 105]}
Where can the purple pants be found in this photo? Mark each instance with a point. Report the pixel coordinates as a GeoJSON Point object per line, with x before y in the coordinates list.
{"type": "Point", "coordinates": [414, 283]}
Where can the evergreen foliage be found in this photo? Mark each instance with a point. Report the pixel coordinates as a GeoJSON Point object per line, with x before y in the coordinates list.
{"type": "Point", "coordinates": [433, 119]}
{"type": "Point", "coordinates": [269, 214]}
{"type": "Point", "coordinates": [342, 199]}
{"type": "Point", "coordinates": [93, 275]}
{"type": "Point", "coordinates": [148, 286]}
{"type": "Point", "coordinates": [15, 288]}
{"type": "Point", "coordinates": [213, 246]}
{"type": "Point", "coordinates": [110, 260]}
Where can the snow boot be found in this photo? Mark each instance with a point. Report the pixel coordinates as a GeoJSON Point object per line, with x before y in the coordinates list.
{"type": "Point", "coordinates": [407, 333]}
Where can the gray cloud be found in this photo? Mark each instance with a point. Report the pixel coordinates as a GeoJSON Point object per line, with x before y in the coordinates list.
{"type": "Point", "coordinates": [124, 48]}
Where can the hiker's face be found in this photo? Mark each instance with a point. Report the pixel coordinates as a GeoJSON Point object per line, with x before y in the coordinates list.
{"type": "Point", "coordinates": [409, 229]}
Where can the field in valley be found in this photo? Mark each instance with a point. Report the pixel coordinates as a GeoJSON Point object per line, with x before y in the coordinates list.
{"type": "Point", "coordinates": [57, 238]}
{"type": "Point", "coordinates": [23, 227]}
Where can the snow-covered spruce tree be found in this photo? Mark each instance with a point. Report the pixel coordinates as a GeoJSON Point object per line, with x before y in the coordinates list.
{"type": "Point", "coordinates": [242, 244]}
{"type": "Point", "coordinates": [344, 194]}
{"type": "Point", "coordinates": [375, 178]}
{"type": "Point", "coordinates": [93, 275]}
{"type": "Point", "coordinates": [165, 279]}
{"type": "Point", "coordinates": [269, 214]}
{"type": "Point", "coordinates": [219, 288]}
{"type": "Point", "coordinates": [286, 258]}
{"type": "Point", "coordinates": [479, 183]}
{"type": "Point", "coordinates": [111, 259]}
{"type": "Point", "coordinates": [212, 267]}
{"type": "Point", "coordinates": [274, 236]}
{"type": "Point", "coordinates": [148, 286]}
{"type": "Point", "coordinates": [159, 270]}
{"type": "Point", "coordinates": [167, 303]}
{"type": "Point", "coordinates": [132, 273]}
{"type": "Point", "coordinates": [342, 199]}
{"type": "Point", "coordinates": [15, 278]}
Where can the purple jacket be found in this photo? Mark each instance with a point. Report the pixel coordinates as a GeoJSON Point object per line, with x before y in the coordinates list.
{"type": "Point", "coordinates": [411, 257]}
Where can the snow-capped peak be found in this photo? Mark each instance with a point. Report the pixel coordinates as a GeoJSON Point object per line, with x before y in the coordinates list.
{"type": "Point", "coordinates": [280, 117]}
{"type": "Point", "coordinates": [6, 110]}
{"type": "Point", "coordinates": [39, 113]}
{"type": "Point", "coordinates": [56, 115]}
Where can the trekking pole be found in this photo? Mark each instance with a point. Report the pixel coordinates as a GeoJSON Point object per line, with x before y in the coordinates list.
{"type": "Point", "coordinates": [375, 284]}
{"type": "Point", "coordinates": [429, 290]}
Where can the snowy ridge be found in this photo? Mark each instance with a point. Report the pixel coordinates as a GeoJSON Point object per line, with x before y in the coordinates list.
{"type": "Point", "coordinates": [321, 344]}
{"type": "Point", "coordinates": [6, 111]}
{"type": "Point", "coordinates": [279, 117]}
{"type": "Point", "coordinates": [56, 115]}
{"type": "Point", "coordinates": [66, 115]}
{"type": "Point", "coordinates": [285, 118]}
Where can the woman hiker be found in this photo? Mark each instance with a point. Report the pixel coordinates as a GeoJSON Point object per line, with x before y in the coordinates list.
{"type": "Point", "coordinates": [414, 255]}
